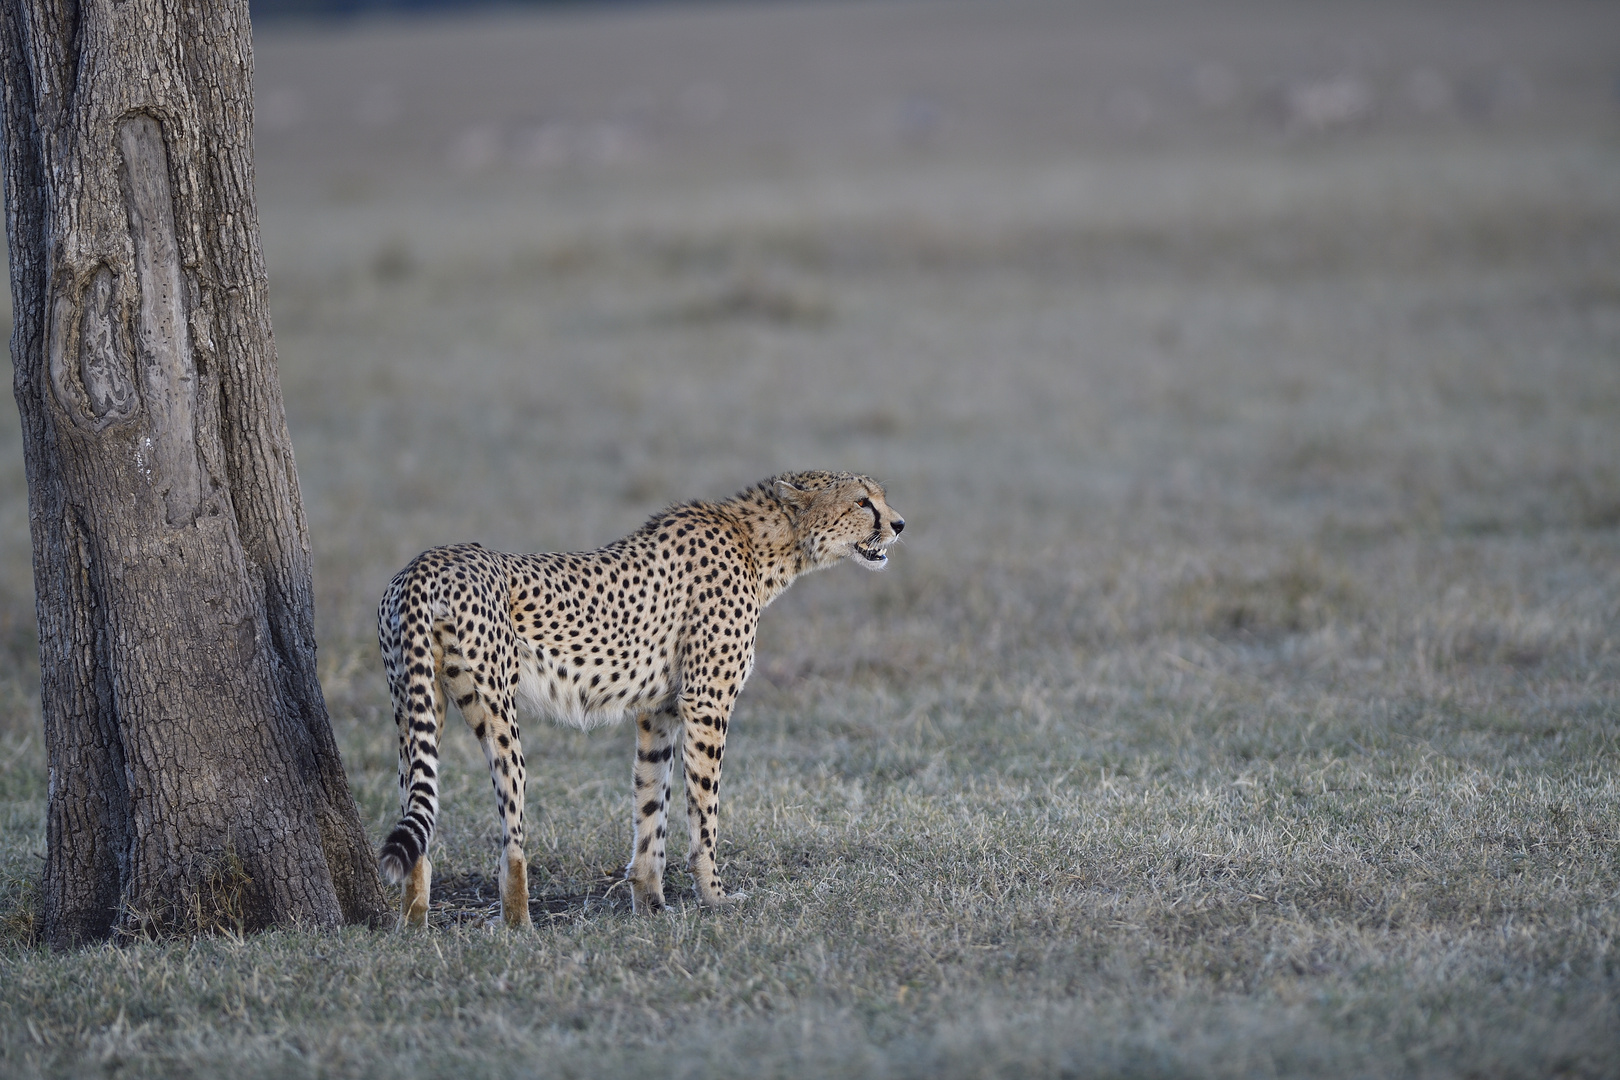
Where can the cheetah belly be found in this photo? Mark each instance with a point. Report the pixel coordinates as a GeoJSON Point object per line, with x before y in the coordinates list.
{"type": "Point", "coordinates": [567, 699]}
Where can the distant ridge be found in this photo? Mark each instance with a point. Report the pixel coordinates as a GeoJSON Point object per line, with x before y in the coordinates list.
{"type": "Point", "coordinates": [275, 10]}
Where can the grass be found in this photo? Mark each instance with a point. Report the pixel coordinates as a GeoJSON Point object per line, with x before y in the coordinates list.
{"type": "Point", "coordinates": [1245, 700]}
{"type": "Point", "coordinates": [961, 880]}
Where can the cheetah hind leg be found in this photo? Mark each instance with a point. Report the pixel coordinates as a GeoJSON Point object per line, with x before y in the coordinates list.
{"type": "Point", "coordinates": [418, 885]}
{"type": "Point", "coordinates": [488, 711]}
{"type": "Point", "coordinates": [419, 879]}
{"type": "Point", "coordinates": [419, 882]}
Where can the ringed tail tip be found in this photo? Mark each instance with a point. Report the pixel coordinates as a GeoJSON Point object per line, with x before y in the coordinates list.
{"type": "Point", "coordinates": [399, 854]}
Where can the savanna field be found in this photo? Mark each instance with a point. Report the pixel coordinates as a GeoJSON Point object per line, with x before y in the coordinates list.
{"type": "Point", "coordinates": [1245, 697]}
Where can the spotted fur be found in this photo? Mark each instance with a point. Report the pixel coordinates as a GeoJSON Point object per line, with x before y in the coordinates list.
{"type": "Point", "coordinates": [659, 625]}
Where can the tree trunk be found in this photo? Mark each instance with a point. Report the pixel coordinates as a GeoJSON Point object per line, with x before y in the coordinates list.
{"type": "Point", "coordinates": [194, 781]}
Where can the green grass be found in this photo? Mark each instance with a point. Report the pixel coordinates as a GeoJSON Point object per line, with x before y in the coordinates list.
{"type": "Point", "coordinates": [1244, 700]}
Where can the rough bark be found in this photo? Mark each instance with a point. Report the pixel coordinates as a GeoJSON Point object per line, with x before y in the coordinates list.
{"type": "Point", "coordinates": [194, 778]}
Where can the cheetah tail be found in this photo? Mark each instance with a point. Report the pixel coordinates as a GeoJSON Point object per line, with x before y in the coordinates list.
{"type": "Point", "coordinates": [415, 711]}
{"type": "Point", "coordinates": [399, 853]}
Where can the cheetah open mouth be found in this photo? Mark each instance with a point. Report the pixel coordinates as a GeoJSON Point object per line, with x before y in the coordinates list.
{"type": "Point", "coordinates": [874, 555]}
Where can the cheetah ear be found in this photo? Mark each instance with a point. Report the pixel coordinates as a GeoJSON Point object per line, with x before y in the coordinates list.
{"type": "Point", "coordinates": [796, 497]}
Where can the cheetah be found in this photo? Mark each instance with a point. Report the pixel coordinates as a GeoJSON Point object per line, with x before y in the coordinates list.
{"type": "Point", "coordinates": [659, 625]}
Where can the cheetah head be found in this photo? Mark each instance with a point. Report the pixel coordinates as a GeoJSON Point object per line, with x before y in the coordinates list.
{"type": "Point", "coordinates": [840, 516]}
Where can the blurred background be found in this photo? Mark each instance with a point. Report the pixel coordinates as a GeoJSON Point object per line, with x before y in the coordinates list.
{"type": "Point", "coordinates": [1276, 333]}
{"type": "Point", "coordinates": [1208, 289]}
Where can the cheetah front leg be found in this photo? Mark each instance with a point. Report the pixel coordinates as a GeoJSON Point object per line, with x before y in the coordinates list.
{"type": "Point", "coordinates": [705, 721]}
{"type": "Point", "coordinates": [656, 736]}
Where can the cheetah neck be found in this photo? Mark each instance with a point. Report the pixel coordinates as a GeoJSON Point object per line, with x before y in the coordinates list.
{"type": "Point", "coordinates": [778, 552]}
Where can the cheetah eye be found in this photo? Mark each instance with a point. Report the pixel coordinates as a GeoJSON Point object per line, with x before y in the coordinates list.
{"type": "Point", "coordinates": [865, 504]}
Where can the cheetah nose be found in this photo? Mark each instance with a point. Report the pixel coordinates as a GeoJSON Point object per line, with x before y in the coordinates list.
{"type": "Point", "coordinates": [898, 525]}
